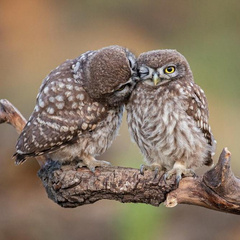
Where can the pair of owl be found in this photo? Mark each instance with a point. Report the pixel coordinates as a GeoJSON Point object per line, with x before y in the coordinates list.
{"type": "Point", "coordinates": [80, 106]}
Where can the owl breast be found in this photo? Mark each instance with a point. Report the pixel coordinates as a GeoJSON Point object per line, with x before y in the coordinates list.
{"type": "Point", "coordinates": [93, 142]}
{"type": "Point", "coordinates": [163, 130]}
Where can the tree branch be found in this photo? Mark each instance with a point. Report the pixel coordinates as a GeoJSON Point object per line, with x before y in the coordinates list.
{"type": "Point", "coordinates": [9, 114]}
{"type": "Point", "coordinates": [70, 186]}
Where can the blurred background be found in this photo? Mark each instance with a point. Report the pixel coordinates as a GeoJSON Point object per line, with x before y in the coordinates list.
{"type": "Point", "coordinates": [36, 36]}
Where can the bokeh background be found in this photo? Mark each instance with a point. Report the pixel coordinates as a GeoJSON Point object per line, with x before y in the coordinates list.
{"type": "Point", "coordinates": [36, 36]}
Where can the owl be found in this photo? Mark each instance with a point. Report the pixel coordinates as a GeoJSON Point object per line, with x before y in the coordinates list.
{"type": "Point", "coordinates": [167, 116]}
{"type": "Point", "coordinates": [79, 108]}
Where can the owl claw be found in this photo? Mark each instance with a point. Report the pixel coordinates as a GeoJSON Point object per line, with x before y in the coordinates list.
{"type": "Point", "coordinates": [154, 167]}
{"type": "Point", "coordinates": [179, 172]}
{"type": "Point", "coordinates": [98, 163]}
{"type": "Point", "coordinates": [170, 173]}
{"type": "Point", "coordinates": [156, 171]}
{"type": "Point", "coordinates": [178, 178]}
{"type": "Point", "coordinates": [142, 169]}
{"type": "Point", "coordinates": [81, 164]}
{"type": "Point", "coordinates": [91, 163]}
{"type": "Point", "coordinates": [165, 178]}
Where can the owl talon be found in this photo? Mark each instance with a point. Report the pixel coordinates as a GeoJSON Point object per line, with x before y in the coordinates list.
{"type": "Point", "coordinates": [91, 163]}
{"type": "Point", "coordinates": [178, 178]}
{"type": "Point", "coordinates": [156, 171]}
{"type": "Point", "coordinates": [154, 167]}
{"type": "Point", "coordinates": [165, 178]}
{"type": "Point", "coordinates": [142, 169]}
{"type": "Point", "coordinates": [193, 174]}
{"type": "Point", "coordinates": [170, 173]}
{"type": "Point", "coordinates": [81, 164]}
{"type": "Point", "coordinates": [179, 172]}
{"type": "Point", "coordinates": [98, 163]}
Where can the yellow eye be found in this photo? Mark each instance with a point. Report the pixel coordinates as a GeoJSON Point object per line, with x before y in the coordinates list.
{"type": "Point", "coordinates": [169, 69]}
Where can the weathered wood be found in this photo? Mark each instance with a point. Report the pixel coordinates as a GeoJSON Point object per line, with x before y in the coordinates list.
{"type": "Point", "coordinates": [10, 115]}
{"type": "Point", "coordinates": [71, 186]}
{"type": "Point", "coordinates": [217, 189]}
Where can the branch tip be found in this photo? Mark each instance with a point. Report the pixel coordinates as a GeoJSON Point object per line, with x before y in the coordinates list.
{"type": "Point", "coordinates": [171, 201]}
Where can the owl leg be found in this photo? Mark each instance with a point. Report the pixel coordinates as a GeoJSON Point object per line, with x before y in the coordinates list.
{"type": "Point", "coordinates": [91, 163]}
{"type": "Point", "coordinates": [179, 169]}
{"type": "Point", "coordinates": [156, 168]}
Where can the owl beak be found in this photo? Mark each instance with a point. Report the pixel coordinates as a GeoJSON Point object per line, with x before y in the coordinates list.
{"type": "Point", "coordinates": [156, 79]}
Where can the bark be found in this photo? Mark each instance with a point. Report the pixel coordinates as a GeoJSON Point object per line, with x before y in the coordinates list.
{"type": "Point", "coordinates": [71, 186]}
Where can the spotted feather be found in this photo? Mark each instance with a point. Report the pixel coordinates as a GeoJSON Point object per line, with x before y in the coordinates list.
{"type": "Point", "coordinates": [79, 108]}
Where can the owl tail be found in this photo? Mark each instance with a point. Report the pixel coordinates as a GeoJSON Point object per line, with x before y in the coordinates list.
{"type": "Point", "coordinates": [211, 153]}
{"type": "Point", "coordinates": [209, 160]}
{"type": "Point", "coordinates": [19, 158]}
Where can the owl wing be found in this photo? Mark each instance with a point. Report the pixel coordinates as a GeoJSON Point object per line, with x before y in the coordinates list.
{"type": "Point", "coordinates": [62, 113]}
{"type": "Point", "coordinates": [198, 109]}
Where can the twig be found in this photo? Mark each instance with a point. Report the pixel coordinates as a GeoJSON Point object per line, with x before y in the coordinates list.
{"type": "Point", "coordinates": [10, 115]}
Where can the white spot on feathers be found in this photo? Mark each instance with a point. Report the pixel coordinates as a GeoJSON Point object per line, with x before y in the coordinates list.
{"type": "Point", "coordinates": [41, 103]}
{"type": "Point", "coordinates": [69, 87]}
{"type": "Point", "coordinates": [59, 98]}
{"type": "Point", "coordinates": [50, 110]}
{"type": "Point", "coordinates": [84, 126]}
{"type": "Point", "coordinates": [60, 105]}
{"type": "Point", "coordinates": [61, 85]}
{"type": "Point", "coordinates": [80, 96]}
{"type": "Point", "coordinates": [68, 93]}
{"type": "Point", "coordinates": [45, 90]}
{"type": "Point", "coordinates": [64, 129]}
{"type": "Point", "coordinates": [51, 99]}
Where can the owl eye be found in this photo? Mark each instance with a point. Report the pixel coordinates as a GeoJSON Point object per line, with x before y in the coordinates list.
{"type": "Point", "coordinates": [144, 70]}
{"type": "Point", "coordinates": [121, 88]}
{"type": "Point", "coordinates": [169, 70]}
{"type": "Point", "coordinates": [131, 62]}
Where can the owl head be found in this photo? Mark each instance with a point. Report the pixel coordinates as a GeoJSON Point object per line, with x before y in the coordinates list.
{"type": "Point", "coordinates": [160, 67]}
{"type": "Point", "coordinates": [110, 75]}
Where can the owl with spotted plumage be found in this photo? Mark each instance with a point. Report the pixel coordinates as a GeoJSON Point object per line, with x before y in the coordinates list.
{"type": "Point", "coordinates": [167, 115]}
{"type": "Point", "coordinates": [79, 108]}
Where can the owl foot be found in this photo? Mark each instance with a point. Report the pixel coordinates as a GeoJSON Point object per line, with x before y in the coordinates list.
{"type": "Point", "coordinates": [179, 170]}
{"type": "Point", "coordinates": [91, 163]}
{"type": "Point", "coordinates": [156, 168]}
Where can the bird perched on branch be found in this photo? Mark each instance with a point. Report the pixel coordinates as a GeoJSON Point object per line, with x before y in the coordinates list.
{"type": "Point", "coordinates": [79, 108]}
{"type": "Point", "coordinates": [168, 115]}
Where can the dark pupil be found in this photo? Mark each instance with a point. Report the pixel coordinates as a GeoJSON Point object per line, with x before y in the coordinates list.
{"type": "Point", "coordinates": [170, 69]}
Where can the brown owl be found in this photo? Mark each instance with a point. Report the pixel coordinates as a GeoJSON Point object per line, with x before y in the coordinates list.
{"type": "Point", "coordinates": [168, 115]}
{"type": "Point", "coordinates": [79, 108]}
